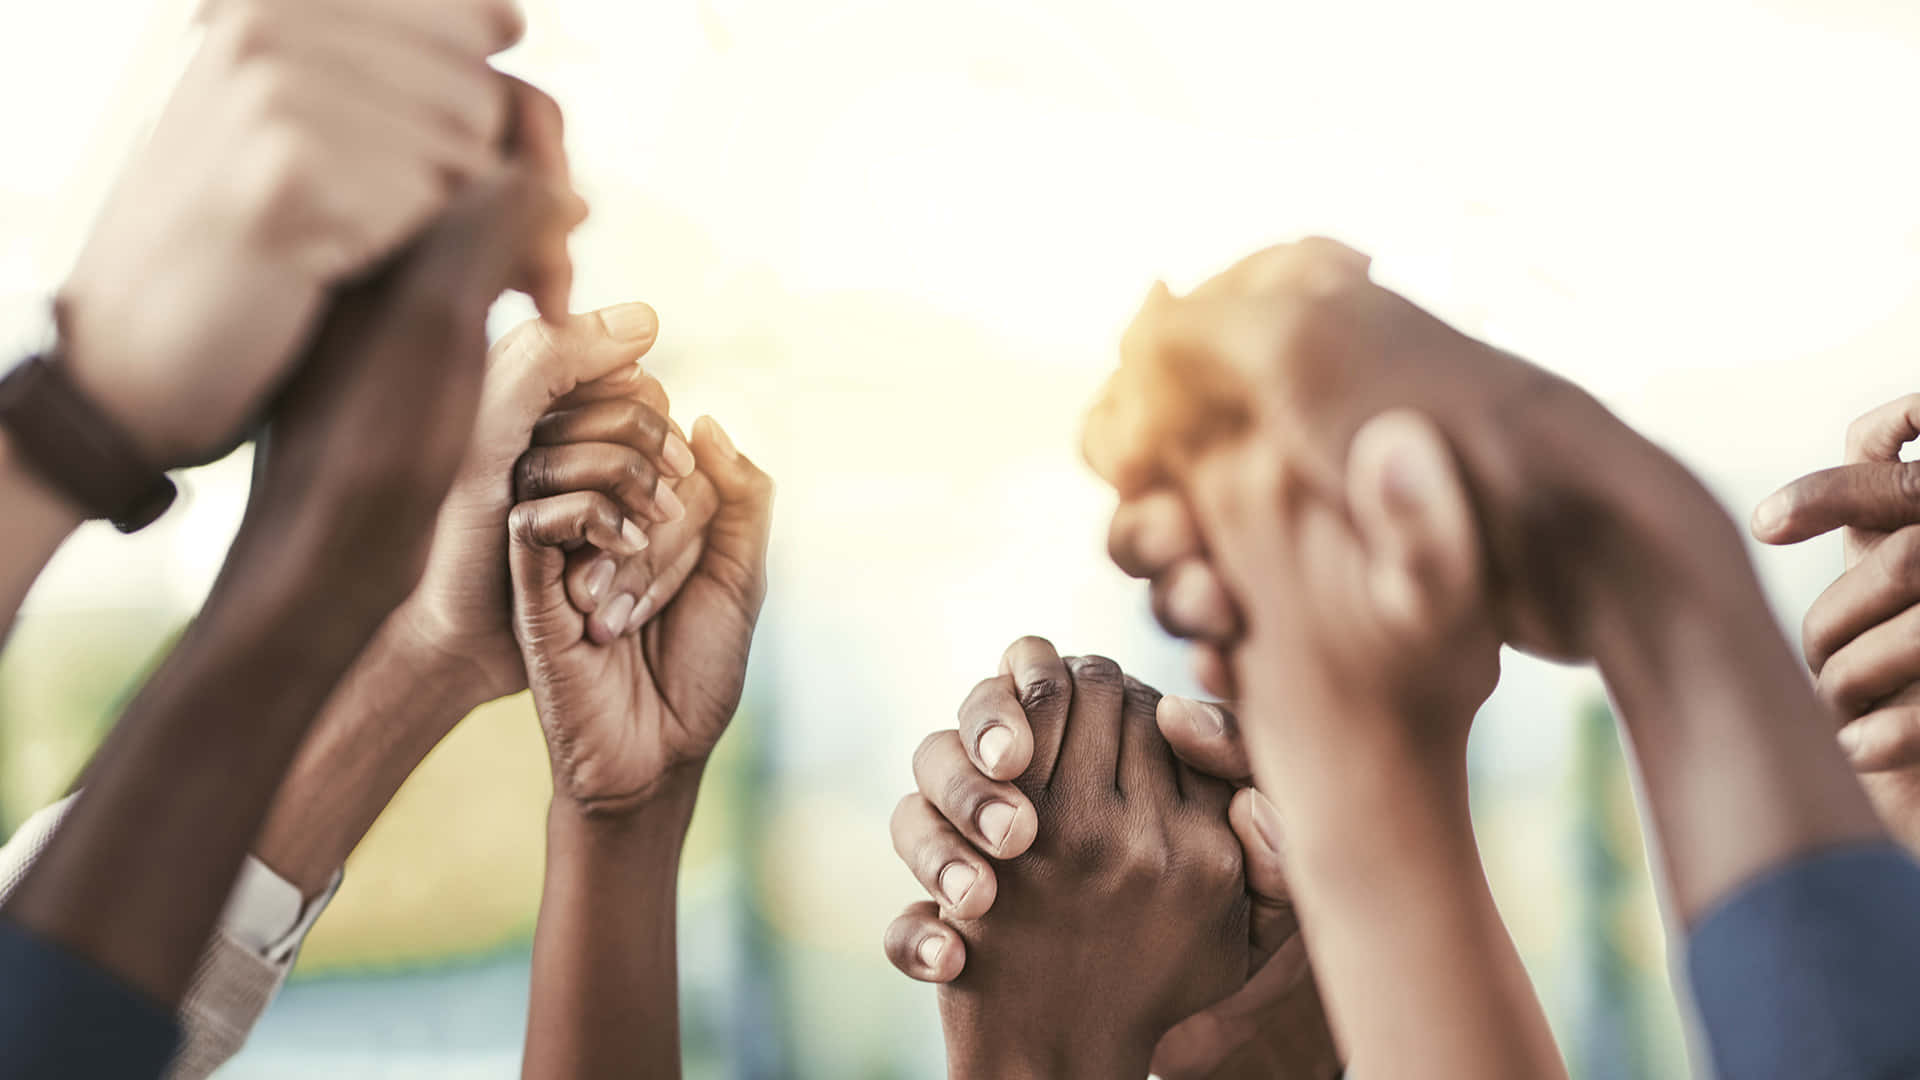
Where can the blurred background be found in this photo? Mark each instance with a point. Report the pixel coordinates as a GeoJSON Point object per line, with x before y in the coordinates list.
{"type": "Point", "coordinates": [893, 244]}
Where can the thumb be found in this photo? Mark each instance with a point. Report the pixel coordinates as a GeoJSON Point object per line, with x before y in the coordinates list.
{"type": "Point", "coordinates": [736, 550]}
{"type": "Point", "coordinates": [544, 360]}
{"type": "Point", "coordinates": [1415, 522]}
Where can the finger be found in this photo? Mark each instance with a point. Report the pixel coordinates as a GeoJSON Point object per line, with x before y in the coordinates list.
{"type": "Point", "coordinates": [573, 519]}
{"type": "Point", "coordinates": [627, 419]}
{"type": "Point", "coordinates": [618, 471]}
{"type": "Point", "coordinates": [537, 135]}
{"type": "Point", "coordinates": [1881, 496]}
{"type": "Point", "coordinates": [923, 947]}
{"type": "Point", "coordinates": [1877, 664]}
{"type": "Point", "coordinates": [994, 816]}
{"type": "Point", "coordinates": [1205, 736]}
{"type": "Point", "coordinates": [1257, 825]}
{"type": "Point", "coordinates": [1152, 533]}
{"type": "Point", "coordinates": [1884, 583]}
{"type": "Point", "coordinates": [1191, 602]}
{"type": "Point", "coordinates": [1883, 740]}
{"type": "Point", "coordinates": [994, 729]}
{"type": "Point", "coordinates": [737, 537]}
{"type": "Point", "coordinates": [1045, 691]}
{"type": "Point", "coordinates": [1146, 764]}
{"type": "Point", "coordinates": [654, 578]}
{"type": "Point", "coordinates": [1213, 671]}
{"type": "Point", "coordinates": [1090, 748]}
{"type": "Point", "coordinates": [1199, 1047]}
{"type": "Point", "coordinates": [1880, 434]}
{"type": "Point", "coordinates": [476, 28]}
{"type": "Point", "coordinates": [389, 72]}
{"type": "Point", "coordinates": [1411, 511]}
{"type": "Point", "coordinates": [559, 358]}
{"type": "Point", "coordinates": [538, 536]}
{"type": "Point", "coordinates": [951, 870]}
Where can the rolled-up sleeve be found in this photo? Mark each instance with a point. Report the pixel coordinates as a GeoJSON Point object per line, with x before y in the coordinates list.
{"type": "Point", "coordinates": [1813, 971]}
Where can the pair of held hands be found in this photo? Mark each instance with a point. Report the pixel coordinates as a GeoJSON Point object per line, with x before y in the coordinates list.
{"type": "Point", "coordinates": [1346, 505]}
{"type": "Point", "coordinates": [305, 144]}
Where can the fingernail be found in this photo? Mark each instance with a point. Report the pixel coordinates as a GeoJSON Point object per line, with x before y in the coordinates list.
{"type": "Point", "coordinates": [1849, 738]}
{"type": "Point", "coordinates": [720, 440]}
{"type": "Point", "coordinates": [630, 322]}
{"type": "Point", "coordinates": [1770, 514]}
{"type": "Point", "coordinates": [618, 614]}
{"type": "Point", "coordinates": [1266, 821]}
{"type": "Point", "coordinates": [641, 612]}
{"type": "Point", "coordinates": [667, 503]}
{"type": "Point", "coordinates": [599, 578]}
{"type": "Point", "coordinates": [1410, 474]}
{"type": "Point", "coordinates": [1207, 721]}
{"type": "Point", "coordinates": [931, 950]}
{"type": "Point", "coordinates": [955, 880]}
{"type": "Point", "coordinates": [995, 744]}
{"type": "Point", "coordinates": [633, 536]}
{"type": "Point", "coordinates": [996, 820]}
{"type": "Point", "coordinates": [678, 455]}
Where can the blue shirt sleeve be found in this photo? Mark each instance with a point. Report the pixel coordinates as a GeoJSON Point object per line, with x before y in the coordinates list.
{"type": "Point", "coordinates": [60, 1016]}
{"type": "Point", "coordinates": [1813, 971]}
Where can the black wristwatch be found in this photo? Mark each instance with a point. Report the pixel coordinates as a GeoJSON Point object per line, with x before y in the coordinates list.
{"type": "Point", "coordinates": [73, 445]}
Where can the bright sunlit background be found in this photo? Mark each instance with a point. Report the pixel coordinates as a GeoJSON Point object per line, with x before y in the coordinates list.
{"type": "Point", "coordinates": [892, 244]}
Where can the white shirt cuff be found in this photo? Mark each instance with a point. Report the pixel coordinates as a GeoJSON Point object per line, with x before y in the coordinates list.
{"type": "Point", "coordinates": [266, 913]}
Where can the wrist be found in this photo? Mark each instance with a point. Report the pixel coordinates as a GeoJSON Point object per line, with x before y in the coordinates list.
{"type": "Point", "coordinates": [669, 799]}
{"type": "Point", "coordinates": [388, 713]}
{"type": "Point", "coordinates": [38, 520]}
{"type": "Point", "coordinates": [977, 1049]}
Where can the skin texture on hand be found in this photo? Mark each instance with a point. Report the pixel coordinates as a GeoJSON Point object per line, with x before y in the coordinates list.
{"type": "Point", "coordinates": [630, 721]}
{"type": "Point", "coordinates": [1859, 635]}
{"type": "Point", "coordinates": [1273, 1026]}
{"type": "Point", "coordinates": [363, 447]}
{"type": "Point", "coordinates": [304, 143]}
{"type": "Point", "coordinates": [1127, 912]}
{"type": "Point", "coordinates": [1596, 543]}
{"type": "Point", "coordinates": [450, 647]}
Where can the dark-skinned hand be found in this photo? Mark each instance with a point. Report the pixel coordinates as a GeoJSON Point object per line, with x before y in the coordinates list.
{"type": "Point", "coordinates": [1859, 636]}
{"type": "Point", "coordinates": [1273, 1026]}
{"type": "Point", "coordinates": [622, 715]}
{"type": "Point", "coordinates": [1122, 909]}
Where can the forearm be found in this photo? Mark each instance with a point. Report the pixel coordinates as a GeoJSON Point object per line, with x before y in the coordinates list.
{"type": "Point", "coordinates": [605, 999]}
{"type": "Point", "coordinates": [34, 521]}
{"type": "Point", "coordinates": [1418, 972]}
{"type": "Point", "coordinates": [393, 707]}
{"type": "Point", "coordinates": [1736, 753]}
{"type": "Point", "coordinates": [140, 871]}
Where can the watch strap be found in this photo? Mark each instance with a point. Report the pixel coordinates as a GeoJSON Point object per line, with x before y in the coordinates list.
{"type": "Point", "coordinates": [75, 446]}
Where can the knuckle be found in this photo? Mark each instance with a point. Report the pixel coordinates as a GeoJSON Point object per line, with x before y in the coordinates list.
{"type": "Point", "coordinates": [1900, 555]}
{"type": "Point", "coordinates": [1144, 859]}
{"type": "Point", "coordinates": [1906, 483]}
{"type": "Point", "coordinates": [1096, 670]}
{"type": "Point", "coordinates": [1044, 692]}
{"type": "Point", "coordinates": [928, 750]}
{"type": "Point", "coordinates": [962, 792]}
{"type": "Point", "coordinates": [1214, 860]}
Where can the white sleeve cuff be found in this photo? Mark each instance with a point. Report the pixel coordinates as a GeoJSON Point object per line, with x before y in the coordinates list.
{"type": "Point", "coordinates": [266, 913]}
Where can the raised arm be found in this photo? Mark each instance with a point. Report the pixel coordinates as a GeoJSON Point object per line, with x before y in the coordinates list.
{"type": "Point", "coordinates": [1598, 545]}
{"type": "Point", "coordinates": [630, 724]}
{"type": "Point", "coordinates": [283, 164]}
{"type": "Point", "coordinates": [361, 451]}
